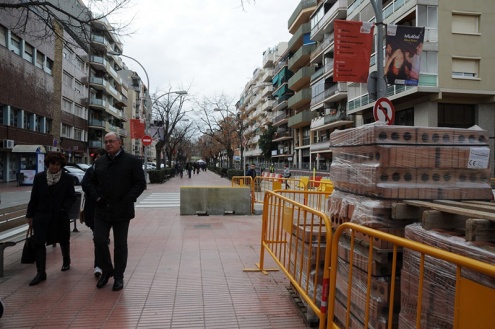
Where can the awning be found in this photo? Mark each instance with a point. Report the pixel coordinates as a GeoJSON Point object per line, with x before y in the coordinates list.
{"type": "Point", "coordinates": [29, 149]}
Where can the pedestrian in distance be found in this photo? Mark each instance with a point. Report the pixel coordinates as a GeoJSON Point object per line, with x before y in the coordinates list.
{"type": "Point", "coordinates": [89, 205]}
{"type": "Point", "coordinates": [48, 209]}
{"type": "Point", "coordinates": [286, 174]}
{"type": "Point", "coordinates": [117, 182]}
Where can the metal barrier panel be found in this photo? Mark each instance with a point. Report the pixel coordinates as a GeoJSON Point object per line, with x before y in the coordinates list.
{"type": "Point", "coordinates": [314, 199]}
{"type": "Point", "coordinates": [427, 287]}
{"type": "Point", "coordinates": [263, 184]}
{"type": "Point", "coordinates": [297, 237]}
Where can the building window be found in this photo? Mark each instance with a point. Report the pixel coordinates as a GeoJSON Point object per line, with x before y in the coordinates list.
{"type": "Point", "coordinates": [49, 66]}
{"type": "Point", "coordinates": [66, 130]}
{"type": "Point", "coordinates": [67, 79]}
{"type": "Point", "coordinates": [3, 36]}
{"type": "Point", "coordinates": [28, 52]}
{"type": "Point", "coordinates": [78, 87]}
{"type": "Point", "coordinates": [404, 117]}
{"type": "Point", "coordinates": [456, 115]}
{"type": "Point", "coordinates": [80, 63]}
{"type": "Point", "coordinates": [78, 134]}
{"type": "Point", "coordinates": [466, 23]}
{"type": "Point", "coordinates": [67, 105]}
{"type": "Point", "coordinates": [79, 111]}
{"type": "Point", "coordinates": [40, 59]}
{"type": "Point", "coordinates": [15, 44]}
{"type": "Point", "coordinates": [429, 62]}
{"type": "Point", "coordinates": [465, 68]}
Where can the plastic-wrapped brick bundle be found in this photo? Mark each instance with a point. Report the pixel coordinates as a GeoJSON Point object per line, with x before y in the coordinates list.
{"type": "Point", "coordinates": [402, 162]}
{"type": "Point", "coordinates": [439, 277]}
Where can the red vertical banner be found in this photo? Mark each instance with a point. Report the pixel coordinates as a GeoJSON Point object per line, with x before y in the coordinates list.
{"type": "Point", "coordinates": [353, 42]}
{"type": "Point", "coordinates": [137, 128]}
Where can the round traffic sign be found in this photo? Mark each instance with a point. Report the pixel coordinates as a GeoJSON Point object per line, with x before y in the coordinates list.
{"type": "Point", "coordinates": [146, 140]}
{"type": "Point", "coordinates": [384, 111]}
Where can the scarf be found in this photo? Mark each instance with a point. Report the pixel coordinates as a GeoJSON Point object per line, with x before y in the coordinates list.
{"type": "Point", "coordinates": [53, 179]}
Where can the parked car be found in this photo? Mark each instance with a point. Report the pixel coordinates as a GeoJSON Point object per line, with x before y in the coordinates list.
{"type": "Point", "coordinates": [76, 173]}
{"type": "Point", "coordinates": [82, 166]}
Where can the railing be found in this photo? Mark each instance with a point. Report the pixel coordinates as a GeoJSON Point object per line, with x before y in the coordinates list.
{"type": "Point", "coordinates": [437, 288]}
{"type": "Point", "coordinates": [295, 236]}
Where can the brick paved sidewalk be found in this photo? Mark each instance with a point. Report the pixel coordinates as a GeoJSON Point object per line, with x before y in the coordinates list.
{"type": "Point", "coordinates": [183, 272]}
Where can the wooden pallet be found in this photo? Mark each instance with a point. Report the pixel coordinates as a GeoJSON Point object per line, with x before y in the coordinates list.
{"type": "Point", "coordinates": [475, 218]}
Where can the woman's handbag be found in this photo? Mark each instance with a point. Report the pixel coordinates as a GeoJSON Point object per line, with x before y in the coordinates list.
{"type": "Point", "coordinates": [29, 250]}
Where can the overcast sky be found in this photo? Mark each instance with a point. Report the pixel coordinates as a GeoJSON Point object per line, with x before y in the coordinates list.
{"type": "Point", "coordinates": [213, 46]}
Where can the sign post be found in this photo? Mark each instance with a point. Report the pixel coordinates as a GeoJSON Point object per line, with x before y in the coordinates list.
{"type": "Point", "coordinates": [384, 111]}
{"type": "Point", "coordinates": [146, 140]}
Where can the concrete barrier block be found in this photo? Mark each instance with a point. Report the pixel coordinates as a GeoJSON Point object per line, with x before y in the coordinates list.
{"type": "Point", "coordinates": [215, 200]}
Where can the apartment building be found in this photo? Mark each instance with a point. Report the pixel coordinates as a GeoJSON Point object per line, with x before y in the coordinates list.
{"type": "Point", "coordinates": [255, 106]}
{"type": "Point", "coordinates": [457, 78]}
{"type": "Point", "coordinates": [61, 93]}
{"type": "Point", "coordinates": [107, 99]}
{"type": "Point", "coordinates": [456, 86]}
{"type": "Point", "coordinates": [40, 101]}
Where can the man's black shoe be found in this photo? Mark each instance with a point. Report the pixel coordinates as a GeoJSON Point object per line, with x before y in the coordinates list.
{"type": "Point", "coordinates": [118, 285]}
{"type": "Point", "coordinates": [103, 280]}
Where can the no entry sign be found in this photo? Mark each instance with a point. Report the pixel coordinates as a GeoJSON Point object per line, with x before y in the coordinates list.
{"type": "Point", "coordinates": [384, 111]}
{"type": "Point", "coordinates": [146, 140]}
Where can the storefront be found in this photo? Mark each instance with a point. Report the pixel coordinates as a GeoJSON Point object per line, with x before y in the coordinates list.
{"type": "Point", "coordinates": [30, 161]}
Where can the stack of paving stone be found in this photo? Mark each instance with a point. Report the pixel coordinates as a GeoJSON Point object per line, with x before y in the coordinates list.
{"type": "Point", "coordinates": [377, 165]}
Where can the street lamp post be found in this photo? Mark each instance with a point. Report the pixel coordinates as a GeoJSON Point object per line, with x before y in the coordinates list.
{"type": "Point", "coordinates": [146, 118]}
{"type": "Point", "coordinates": [145, 109]}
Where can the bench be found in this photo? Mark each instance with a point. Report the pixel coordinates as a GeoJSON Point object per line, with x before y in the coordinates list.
{"type": "Point", "coordinates": [13, 228]}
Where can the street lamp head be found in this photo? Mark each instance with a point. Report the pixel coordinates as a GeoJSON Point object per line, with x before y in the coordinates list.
{"type": "Point", "coordinates": [111, 52]}
{"type": "Point", "coordinates": [180, 92]}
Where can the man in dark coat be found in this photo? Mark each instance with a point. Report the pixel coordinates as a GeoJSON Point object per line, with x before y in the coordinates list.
{"type": "Point", "coordinates": [117, 182]}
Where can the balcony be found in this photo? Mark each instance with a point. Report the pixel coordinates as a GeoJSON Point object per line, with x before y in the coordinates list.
{"type": "Point", "coordinates": [325, 24]}
{"type": "Point", "coordinates": [280, 119]}
{"type": "Point", "coordinates": [267, 76]}
{"type": "Point", "coordinates": [300, 99]}
{"type": "Point", "coordinates": [301, 119]}
{"type": "Point", "coordinates": [301, 78]}
{"type": "Point", "coordinates": [301, 57]}
{"type": "Point", "coordinates": [98, 103]}
{"type": "Point", "coordinates": [95, 123]}
{"type": "Point", "coordinates": [98, 83]}
{"type": "Point", "coordinates": [332, 94]}
{"type": "Point", "coordinates": [268, 58]}
{"type": "Point", "coordinates": [320, 146]}
{"type": "Point", "coordinates": [279, 137]}
{"type": "Point", "coordinates": [296, 41]}
{"type": "Point", "coordinates": [123, 132]}
{"type": "Point", "coordinates": [267, 105]}
{"type": "Point", "coordinates": [99, 42]}
{"type": "Point", "coordinates": [95, 144]}
{"type": "Point", "coordinates": [301, 14]}
{"type": "Point", "coordinates": [98, 62]}
{"type": "Point", "coordinates": [322, 48]}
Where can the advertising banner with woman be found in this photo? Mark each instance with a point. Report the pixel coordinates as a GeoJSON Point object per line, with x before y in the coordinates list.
{"type": "Point", "coordinates": [403, 54]}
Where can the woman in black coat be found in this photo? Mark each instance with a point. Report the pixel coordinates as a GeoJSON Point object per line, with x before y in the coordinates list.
{"type": "Point", "coordinates": [48, 209]}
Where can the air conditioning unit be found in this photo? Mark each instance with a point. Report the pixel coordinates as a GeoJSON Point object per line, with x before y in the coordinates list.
{"type": "Point", "coordinates": [8, 144]}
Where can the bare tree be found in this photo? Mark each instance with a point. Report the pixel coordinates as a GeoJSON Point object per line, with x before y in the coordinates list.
{"type": "Point", "coordinates": [168, 110]}
{"type": "Point", "coordinates": [220, 123]}
{"type": "Point", "coordinates": [183, 133]}
{"type": "Point", "coordinates": [74, 17]}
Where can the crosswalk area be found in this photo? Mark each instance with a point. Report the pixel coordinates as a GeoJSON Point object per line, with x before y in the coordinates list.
{"type": "Point", "coordinates": [160, 200]}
